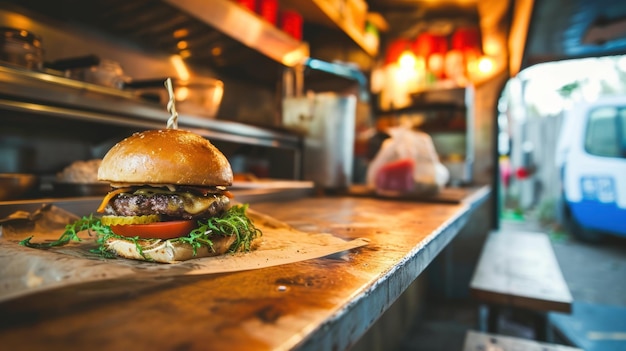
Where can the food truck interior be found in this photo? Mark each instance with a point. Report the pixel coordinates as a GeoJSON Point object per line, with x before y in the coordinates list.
{"type": "Point", "coordinates": [277, 85]}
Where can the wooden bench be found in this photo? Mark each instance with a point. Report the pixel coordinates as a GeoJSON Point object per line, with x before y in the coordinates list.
{"type": "Point", "coordinates": [477, 341]}
{"type": "Point", "coordinates": [519, 270]}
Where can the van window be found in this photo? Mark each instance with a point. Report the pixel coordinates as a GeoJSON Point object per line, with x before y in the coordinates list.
{"type": "Point", "coordinates": [606, 132]}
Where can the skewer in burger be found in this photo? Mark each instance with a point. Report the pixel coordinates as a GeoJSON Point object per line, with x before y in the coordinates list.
{"type": "Point", "coordinates": [169, 200]}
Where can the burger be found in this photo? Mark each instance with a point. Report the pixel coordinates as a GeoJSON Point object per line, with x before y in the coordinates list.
{"type": "Point", "coordinates": [169, 200]}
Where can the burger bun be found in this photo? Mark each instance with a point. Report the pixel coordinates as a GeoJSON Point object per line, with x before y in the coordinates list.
{"type": "Point", "coordinates": [167, 251]}
{"type": "Point", "coordinates": [166, 156]}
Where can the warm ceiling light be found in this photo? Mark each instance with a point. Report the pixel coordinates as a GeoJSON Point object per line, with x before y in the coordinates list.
{"type": "Point", "coordinates": [182, 45]}
{"type": "Point", "coordinates": [216, 51]}
{"type": "Point", "coordinates": [182, 93]}
{"type": "Point", "coordinates": [407, 59]}
{"type": "Point", "coordinates": [292, 58]}
{"type": "Point", "coordinates": [180, 67]}
{"type": "Point", "coordinates": [491, 46]}
{"type": "Point", "coordinates": [181, 33]}
{"type": "Point", "coordinates": [485, 65]}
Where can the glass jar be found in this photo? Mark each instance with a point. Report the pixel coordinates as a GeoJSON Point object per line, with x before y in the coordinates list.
{"type": "Point", "coordinates": [21, 48]}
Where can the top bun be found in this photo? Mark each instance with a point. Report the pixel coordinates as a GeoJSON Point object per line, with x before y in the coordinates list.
{"type": "Point", "coordinates": [168, 156]}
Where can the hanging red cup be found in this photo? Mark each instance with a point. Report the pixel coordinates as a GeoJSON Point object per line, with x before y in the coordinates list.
{"type": "Point", "coordinates": [291, 23]}
{"type": "Point", "coordinates": [432, 48]}
{"type": "Point", "coordinates": [422, 46]}
{"type": "Point", "coordinates": [466, 39]}
{"type": "Point", "coordinates": [268, 9]}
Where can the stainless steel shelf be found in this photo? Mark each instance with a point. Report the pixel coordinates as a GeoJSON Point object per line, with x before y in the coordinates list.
{"type": "Point", "coordinates": [48, 95]}
{"type": "Point", "coordinates": [247, 28]}
{"type": "Point", "coordinates": [324, 13]}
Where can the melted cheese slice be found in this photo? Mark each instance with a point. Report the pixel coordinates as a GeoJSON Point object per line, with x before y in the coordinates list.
{"type": "Point", "coordinates": [195, 204]}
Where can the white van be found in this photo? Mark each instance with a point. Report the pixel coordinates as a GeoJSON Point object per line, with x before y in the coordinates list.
{"type": "Point", "coordinates": [591, 156]}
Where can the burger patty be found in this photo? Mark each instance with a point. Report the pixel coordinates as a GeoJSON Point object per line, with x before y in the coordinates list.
{"type": "Point", "coordinates": [171, 205]}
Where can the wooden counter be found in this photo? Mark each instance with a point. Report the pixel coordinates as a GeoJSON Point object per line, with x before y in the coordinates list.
{"type": "Point", "coordinates": [320, 304]}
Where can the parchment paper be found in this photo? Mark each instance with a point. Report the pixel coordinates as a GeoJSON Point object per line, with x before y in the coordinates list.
{"type": "Point", "coordinates": [26, 270]}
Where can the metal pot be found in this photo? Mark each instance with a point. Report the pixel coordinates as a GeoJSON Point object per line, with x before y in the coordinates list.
{"type": "Point", "coordinates": [200, 96]}
{"type": "Point", "coordinates": [21, 48]}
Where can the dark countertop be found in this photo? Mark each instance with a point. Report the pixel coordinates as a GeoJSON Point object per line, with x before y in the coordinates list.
{"type": "Point", "coordinates": [320, 304]}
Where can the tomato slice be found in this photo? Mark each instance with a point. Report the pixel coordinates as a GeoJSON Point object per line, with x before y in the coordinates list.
{"type": "Point", "coordinates": [157, 230]}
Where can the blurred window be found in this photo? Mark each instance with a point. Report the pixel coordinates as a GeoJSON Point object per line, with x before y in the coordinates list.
{"type": "Point", "coordinates": [606, 132]}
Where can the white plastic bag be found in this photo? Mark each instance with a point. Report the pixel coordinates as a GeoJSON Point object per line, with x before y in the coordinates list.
{"type": "Point", "coordinates": [406, 164]}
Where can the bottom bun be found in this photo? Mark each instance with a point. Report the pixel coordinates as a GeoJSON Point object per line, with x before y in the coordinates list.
{"type": "Point", "coordinates": [167, 251]}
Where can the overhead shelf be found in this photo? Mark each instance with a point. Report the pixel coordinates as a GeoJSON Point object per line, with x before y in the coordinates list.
{"type": "Point", "coordinates": [220, 34]}
{"type": "Point", "coordinates": [48, 95]}
{"type": "Point", "coordinates": [247, 28]}
{"type": "Point", "coordinates": [323, 13]}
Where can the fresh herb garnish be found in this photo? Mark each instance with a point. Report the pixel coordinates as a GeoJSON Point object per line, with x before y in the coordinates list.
{"type": "Point", "coordinates": [232, 222]}
{"type": "Point", "coordinates": [70, 234]}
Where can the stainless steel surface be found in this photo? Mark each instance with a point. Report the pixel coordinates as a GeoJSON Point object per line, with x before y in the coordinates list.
{"type": "Point", "coordinates": [14, 185]}
{"type": "Point", "coordinates": [243, 25]}
{"type": "Point", "coordinates": [328, 122]}
{"type": "Point", "coordinates": [33, 82]}
{"type": "Point", "coordinates": [51, 95]}
{"type": "Point", "coordinates": [343, 70]}
{"type": "Point", "coordinates": [196, 95]}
